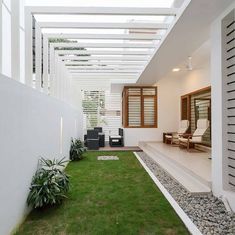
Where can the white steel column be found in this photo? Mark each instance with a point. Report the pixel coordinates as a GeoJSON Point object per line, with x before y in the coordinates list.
{"type": "Point", "coordinates": [28, 47]}
{"type": "Point", "coordinates": [0, 36]}
{"type": "Point", "coordinates": [52, 69]}
{"type": "Point", "coordinates": [62, 80]}
{"type": "Point", "coordinates": [38, 57]}
{"type": "Point", "coordinates": [59, 77]}
{"type": "Point", "coordinates": [45, 67]}
{"type": "Point", "coordinates": [15, 39]}
{"type": "Point", "coordinates": [56, 71]}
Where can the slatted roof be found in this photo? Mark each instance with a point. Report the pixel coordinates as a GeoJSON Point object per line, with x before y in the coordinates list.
{"type": "Point", "coordinates": [115, 42]}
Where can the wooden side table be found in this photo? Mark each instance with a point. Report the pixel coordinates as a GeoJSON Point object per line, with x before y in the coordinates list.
{"type": "Point", "coordinates": [164, 136]}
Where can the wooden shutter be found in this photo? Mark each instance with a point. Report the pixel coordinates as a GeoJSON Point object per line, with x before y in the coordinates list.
{"type": "Point", "coordinates": [228, 46]}
{"type": "Point", "coordinates": [149, 106]}
{"type": "Point", "coordinates": [134, 111]}
{"type": "Point", "coordinates": [185, 107]}
{"type": "Point", "coordinates": [140, 107]}
{"type": "Point", "coordinates": [149, 110]}
{"type": "Point", "coordinates": [134, 106]}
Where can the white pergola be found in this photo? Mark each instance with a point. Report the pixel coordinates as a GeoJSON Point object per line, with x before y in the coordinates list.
{"type": "Point", "coordinates": [115, 56]}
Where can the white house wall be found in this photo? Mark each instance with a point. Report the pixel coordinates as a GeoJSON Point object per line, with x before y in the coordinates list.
{"type": "Point", "coordinates": [216, 81]}
{"type": "Point", "coordinates": [200, 76]}
{"type": "Point", "coordinates": [30, 126]}
{"type": "Point", "coordinates": [170, 89]}
{"type": "Point", "coordinates": [168, 92]}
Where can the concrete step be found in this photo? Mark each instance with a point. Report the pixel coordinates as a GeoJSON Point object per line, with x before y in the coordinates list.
{"type": "Point", "coordinates": [186, 169]}
{"type": "Point", "coordinates": [187, 178]}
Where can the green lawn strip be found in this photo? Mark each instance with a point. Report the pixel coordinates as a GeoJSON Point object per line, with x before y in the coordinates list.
{"type": "Point", "coordinates": [107, 197]}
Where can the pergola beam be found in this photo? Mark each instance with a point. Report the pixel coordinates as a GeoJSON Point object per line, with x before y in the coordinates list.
{"type": "Point", "coordinates": [103, 68]}
{"type": "Point", "coordinates": [117, 67]}
{"type": "Point", "coordinates": [102, 52]}
{"type": "Point", "coordinates": [103, 25]}
{"type": "Point", "coordinates": [105, 58]}
{"type": "Point", "coordinates": [129, 75]}
{"type": "Point", "coordinates": [106, 36]}
{"type": "Point", "coordinates": [103, 71]}
{"type": "Point", "coordinates": [102, 10]}
{"type": "Point", "coordinates": [106, 63]}
{"type": "Point", "coordinates": [103, 45]}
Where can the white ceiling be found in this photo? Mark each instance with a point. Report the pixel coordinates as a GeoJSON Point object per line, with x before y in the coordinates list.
{"type": "Point", "coordinates": [188, 34]}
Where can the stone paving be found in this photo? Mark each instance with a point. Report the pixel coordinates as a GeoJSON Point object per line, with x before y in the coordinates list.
{"type": "Point", "coordinates": [105, 158]}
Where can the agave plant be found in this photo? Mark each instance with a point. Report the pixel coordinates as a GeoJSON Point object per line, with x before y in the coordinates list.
{"type": "Point", "coordinates": [76, 150]}
{"type": "Point", "coordinates": [49, 184]}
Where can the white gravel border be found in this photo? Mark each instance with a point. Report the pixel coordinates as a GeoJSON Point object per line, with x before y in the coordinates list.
{"type": "Point", "coordinates": [184, 217]}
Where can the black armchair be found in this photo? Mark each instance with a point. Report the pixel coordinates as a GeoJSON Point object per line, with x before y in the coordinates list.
{"type": "Point", "coordinates": [92, 140]}
{"type": "Point", "coordinates": [99, 129]}
{"type": "Point", "coordinates": [101, 136]}
{"type": "Point", "coordinates": [117, 140]}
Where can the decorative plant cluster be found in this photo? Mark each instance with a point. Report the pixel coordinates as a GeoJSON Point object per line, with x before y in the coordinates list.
{"type": "Point", "coordinates": [49, 184]}
{"type": "Point", "coordinates": [76, 150]}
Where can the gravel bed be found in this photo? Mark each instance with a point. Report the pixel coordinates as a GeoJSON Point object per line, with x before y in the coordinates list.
{"type": "Point", "coordinates": [206, 211]}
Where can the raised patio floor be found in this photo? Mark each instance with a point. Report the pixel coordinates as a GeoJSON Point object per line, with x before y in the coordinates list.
{"type": "Point", "coordinates": [191, 169]}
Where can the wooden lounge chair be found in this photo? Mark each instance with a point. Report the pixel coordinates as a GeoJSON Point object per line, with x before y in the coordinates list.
{"type": "Point", "coordinates": [173, 137]}
{"type": "Point", "coordinates": [195, 138]}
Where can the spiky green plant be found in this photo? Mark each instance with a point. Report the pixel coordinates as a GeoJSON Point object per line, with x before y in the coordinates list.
{"type": "Point", "coordinates": [76, 150]}
{"type": "Point", "coordinates": [49, 184]}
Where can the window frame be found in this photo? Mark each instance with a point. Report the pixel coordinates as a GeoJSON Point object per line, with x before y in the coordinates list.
{"type": "Point", "coordinates": [188, 110]}
{"type": "Point", "coordinates": [125, 107]}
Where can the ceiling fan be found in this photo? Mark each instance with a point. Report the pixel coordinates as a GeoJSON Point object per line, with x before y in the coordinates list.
{"type": "Point", "coordinates": [188, 66]}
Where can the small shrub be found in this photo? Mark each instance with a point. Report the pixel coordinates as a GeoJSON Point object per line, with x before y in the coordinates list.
{"type": "Point", "coordinates": [76, 150]}
{"type": "Point", "coordinates": [49, 184]}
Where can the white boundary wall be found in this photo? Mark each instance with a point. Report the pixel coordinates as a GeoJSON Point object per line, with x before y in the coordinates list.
{"type": "Point", "coordinates": [30, 124]}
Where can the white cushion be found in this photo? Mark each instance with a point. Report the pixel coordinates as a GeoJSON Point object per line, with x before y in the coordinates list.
{"type": "Point", "coordinates": [168, 136]}
{"type": "Point", "coordinates": [196, 140]}
{"type": "Point", "coordinates": [184, 125]}
{"type": "Point", "coordinates": [174, 136]}
{"type": "Point", "coordinates": [116, 136]}
{"type": "Point", "coordinates": [202, 126]}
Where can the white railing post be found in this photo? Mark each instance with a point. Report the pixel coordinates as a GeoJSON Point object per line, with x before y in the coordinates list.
{"type": "Point", "coordinates": [58, 77]}
{"type": "Point", "coordinates": [38, 57]}
{"type": "Point", "coordinates": [28, 47]}
{"type": "Point", "coordinates": [15, 39]}
{"type": "Point", "coordinates": [55, 72]}
{"type": "Point", "coordinates": [45, 67]}
{"type": "Point", "coordinates": [52, 62]}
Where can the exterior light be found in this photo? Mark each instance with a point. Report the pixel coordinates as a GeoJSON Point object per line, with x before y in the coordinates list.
{"type": "Point", "coordinates": [176, 69]}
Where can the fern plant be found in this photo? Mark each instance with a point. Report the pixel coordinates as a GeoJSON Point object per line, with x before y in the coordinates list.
{"type": "Point", "coordinates": [49, 184]}
{"type": "Point", "coordinates": [76, 150]}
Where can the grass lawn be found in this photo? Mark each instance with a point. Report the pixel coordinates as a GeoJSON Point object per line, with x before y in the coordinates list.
{"type": "Point", "coordinates": [107, 198]}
